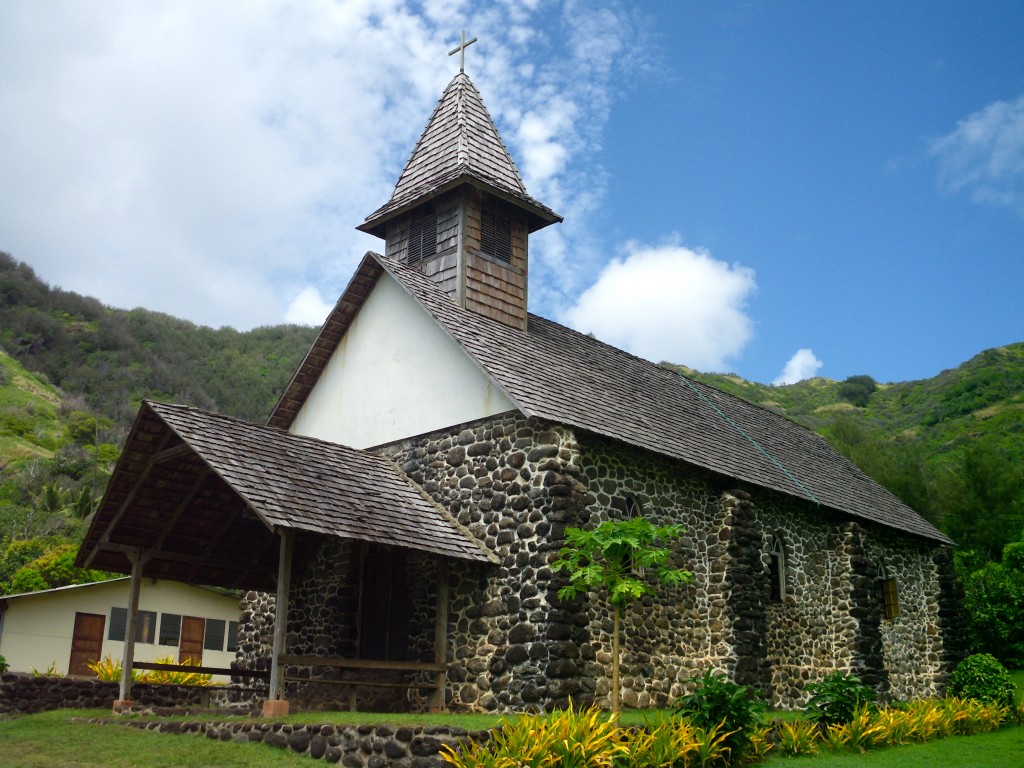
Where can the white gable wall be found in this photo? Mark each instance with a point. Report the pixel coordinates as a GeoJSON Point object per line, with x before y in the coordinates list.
{"type": "Point", "coordinates": [395, 374]}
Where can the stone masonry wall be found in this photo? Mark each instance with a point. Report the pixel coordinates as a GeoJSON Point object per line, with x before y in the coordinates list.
{"type": "Point", "coordinates": [514, 483]}
{"type": "Point", "coordinates": [670, 639]}
{"type": "Point", "coordinates": [912, 643]}
{"type": "Point", "coordinates": [832, 617]}
{"type": "Point", "coordinates": [22, 694]}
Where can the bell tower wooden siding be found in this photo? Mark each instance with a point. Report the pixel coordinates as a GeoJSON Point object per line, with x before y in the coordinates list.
{"type": "Point", "coordinates": [478, 281]}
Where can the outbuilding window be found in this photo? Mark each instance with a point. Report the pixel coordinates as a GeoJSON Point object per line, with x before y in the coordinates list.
{"type": "Point", "coordinates": [145, 627]}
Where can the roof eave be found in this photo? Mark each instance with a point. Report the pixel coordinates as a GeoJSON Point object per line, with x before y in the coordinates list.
{"type": "Point", "coordinates": [539, 215]}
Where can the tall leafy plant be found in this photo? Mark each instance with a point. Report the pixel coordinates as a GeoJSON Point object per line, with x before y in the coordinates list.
{"type": "Point", "coordinates": [625, 560]}
{"type": "Point", "coordinates": [717, 701]}
{"type": "Point", "coordinates": [838, 698]}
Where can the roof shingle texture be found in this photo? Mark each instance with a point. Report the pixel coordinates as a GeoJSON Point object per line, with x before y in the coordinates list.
{"type": "Point", "coordinates": [460, 141]}
{"type": "Point", "coordinates": [555, 373]}
{"type": "Point", "coordinates": [301, 482]}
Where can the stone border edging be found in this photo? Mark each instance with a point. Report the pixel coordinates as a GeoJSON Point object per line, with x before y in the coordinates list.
{"type": "Point", "coordinates": [362, 746]}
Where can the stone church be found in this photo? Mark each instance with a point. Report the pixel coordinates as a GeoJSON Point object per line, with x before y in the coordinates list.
{"type": "Point", "coordinates": [415, 480]}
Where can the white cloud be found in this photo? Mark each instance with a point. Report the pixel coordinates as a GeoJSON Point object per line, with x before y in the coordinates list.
{"type": "Point", "coordinates": [984, 155]}
{"type": "Point", "coordinates": [669, 303]}
{"type": "Point", "coordinates": [204, 159]}
{"type": "Point", "coordinates": [308, 308]}
{"type": "Point", "coordinates": [802, 365]}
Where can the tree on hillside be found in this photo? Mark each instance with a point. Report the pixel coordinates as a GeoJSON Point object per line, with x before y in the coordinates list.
{"type": "Point", "coordinates": [985, 496]}
{"type": "Point", "coordinates": [619, 559]}
{"type": "Point", "coordinates": [994, 598]}
{"type": "Point", "coordinates": [857, 390]}
{"type": "Point", "coordinates": [54, 568]}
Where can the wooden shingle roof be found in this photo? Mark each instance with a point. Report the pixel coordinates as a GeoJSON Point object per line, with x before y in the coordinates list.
{"type": "Point", "coordinates": [460, 145]}
{"type": "Point", "coordinates": [204, 492]}
{"type": "Point", "coordinates": [555, 373]}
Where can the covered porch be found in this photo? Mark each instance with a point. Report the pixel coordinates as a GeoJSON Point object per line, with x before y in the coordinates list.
{"type": "Point", "coordinates": [355, 555]}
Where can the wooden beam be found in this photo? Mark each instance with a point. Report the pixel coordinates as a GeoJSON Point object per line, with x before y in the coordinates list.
{"type": "Point", "coordinates": [182, 506]}
{"type": "Point", "coordinates": [138, 560]}
{"type": "Point", "coordinates": [343, 663]}
{"type": "Point", "coordinates": [186, 559]}
{"type": "Point", "coordinates": [441, 636]}
{"type": "Point", "coordinates": [171, 453]}
{"type": "Point", "coordinates": [199, 670]}
{"type": "Point", "coordinates": [284, 572]}
{"type": "Point", "coordinates": [128, 500]}
{"type": "Point", "coordinates": [229, 520]}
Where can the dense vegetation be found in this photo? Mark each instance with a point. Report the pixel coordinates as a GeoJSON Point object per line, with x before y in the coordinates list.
{"type": "Point", "coordinates": [952, 447]}
{"type": "Point", "coordinates": [73, 372]}
{"type": "Point", "coordinates": [72, 375]}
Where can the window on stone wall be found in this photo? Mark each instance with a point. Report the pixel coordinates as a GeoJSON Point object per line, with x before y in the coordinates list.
{"type": "Point", "coordinates": [777, 568]}
{"type": "Point", "coordinates": [890, 594]}
{"type": "Point", "coordinates": [633, 507]}
{"type": "Point", "coordinates": [422, 236]}
{"type": "Point", "coordinates": [496, 231]}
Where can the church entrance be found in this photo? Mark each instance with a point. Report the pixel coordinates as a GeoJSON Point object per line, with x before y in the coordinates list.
{"type": "Point", "coordinates": [384, 604]}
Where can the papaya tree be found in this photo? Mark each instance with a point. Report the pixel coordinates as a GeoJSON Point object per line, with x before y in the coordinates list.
{"type": "Point", "coordinates": [623, 561]}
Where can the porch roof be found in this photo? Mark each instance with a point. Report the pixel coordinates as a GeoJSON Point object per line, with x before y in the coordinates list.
{"type": "Point", "coordinates": [203, 495]}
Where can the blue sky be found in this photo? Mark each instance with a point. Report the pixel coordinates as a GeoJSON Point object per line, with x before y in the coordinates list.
{"type": "Point", "coordinates": [813, 188]}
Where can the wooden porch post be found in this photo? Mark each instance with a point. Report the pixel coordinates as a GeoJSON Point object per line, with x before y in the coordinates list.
{"type": "Point", "coordinates": [276, 706]}
{"type": "Point", "coordinates": [441, 636]}
{"type": "Point", "coordinates": [138, 560]}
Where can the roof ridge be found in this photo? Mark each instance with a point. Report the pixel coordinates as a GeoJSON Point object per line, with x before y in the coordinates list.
{"type": "Point", "coordinates": [259, 427]}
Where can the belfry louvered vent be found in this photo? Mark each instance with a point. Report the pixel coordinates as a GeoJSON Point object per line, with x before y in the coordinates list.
{"type": "Point", "coordinates": [495, 232]}
{"type": "Point", "coordinates": [422, 237]}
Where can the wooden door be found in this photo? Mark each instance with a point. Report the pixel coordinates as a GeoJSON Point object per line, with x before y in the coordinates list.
{"type": "Point", "coordinates": [86, 642]}
{"type": "Point", "coordinates": [191, 646]}
{"type": "Point", "coordinates": [384, 619]}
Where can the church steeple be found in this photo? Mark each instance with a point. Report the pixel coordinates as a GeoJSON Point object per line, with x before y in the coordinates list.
{"type": "Point", "coordinates": [460, 211]}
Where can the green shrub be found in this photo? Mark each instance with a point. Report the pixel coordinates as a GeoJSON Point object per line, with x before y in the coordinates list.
{"type": "Point", "coordinates": [981, 677]}
{"type": "Point", "coordinates": [4, 666]}
{"type": "Point", "coordinates": [717, 701]}
{"type": "Point", "coordinates": [836, 699]}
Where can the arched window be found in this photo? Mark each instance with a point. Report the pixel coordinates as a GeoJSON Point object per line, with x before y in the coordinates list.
{"type": "Point", "coordinates": [777, 568]}
{"type": "Point", "coordinates": [633, 507]}
{"type": "Point", "coordinates": [422, 236]}
{"type": "Point", "coordinates": [890, 594]}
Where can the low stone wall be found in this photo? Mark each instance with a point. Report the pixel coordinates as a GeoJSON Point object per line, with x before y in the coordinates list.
{"type": "Point", "coordinates": [364, 746]}
{"type": "Point", "coordinates": [22, 694]}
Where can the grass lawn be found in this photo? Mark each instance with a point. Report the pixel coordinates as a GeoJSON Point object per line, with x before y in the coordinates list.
{"type": "Point", "coordinates": [52, 738]}
{"type": "Point", "coordinates": [1002, 749]}
{"type": "Point", "coordinates": [49, 739]}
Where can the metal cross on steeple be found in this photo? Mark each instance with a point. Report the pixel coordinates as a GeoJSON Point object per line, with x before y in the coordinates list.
{"type": "Point", "coordinates": [461, 49]}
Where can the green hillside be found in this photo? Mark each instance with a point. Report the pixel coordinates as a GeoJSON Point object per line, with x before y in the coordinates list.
{"type": "Point", "coordinates": [951, 446]}
{"type": "Point", "coordinates": [72, 374]}
{"type": "Point", "coordinates": [111, 359]}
